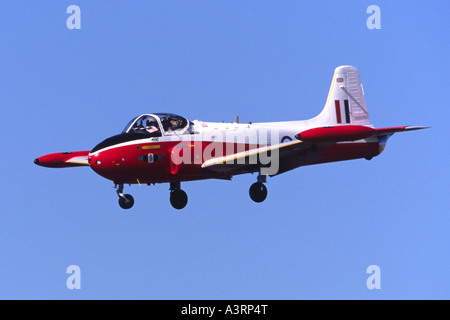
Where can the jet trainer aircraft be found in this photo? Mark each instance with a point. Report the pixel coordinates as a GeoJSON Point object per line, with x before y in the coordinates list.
{"type": "Point", "coordinates": [167, 148]}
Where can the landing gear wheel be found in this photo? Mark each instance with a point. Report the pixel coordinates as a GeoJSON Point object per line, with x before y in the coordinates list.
{"type": "Point", "coordinates": [258, 192]}
{"type": "Point", "coordinates": [126, 201]}
{"type": "Point", "coordinates": [178, 199]}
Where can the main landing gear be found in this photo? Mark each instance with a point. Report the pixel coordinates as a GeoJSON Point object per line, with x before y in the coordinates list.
{"type": "Point", "coordinates": [258, 191]}
{"type": "Point", "coordinates": [126, 201]}
{"type": "Point", "coordinates": [178, 198]}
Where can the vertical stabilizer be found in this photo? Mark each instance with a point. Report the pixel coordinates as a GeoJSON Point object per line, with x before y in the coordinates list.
{"type": "Point", "coordinates": [345, 103]}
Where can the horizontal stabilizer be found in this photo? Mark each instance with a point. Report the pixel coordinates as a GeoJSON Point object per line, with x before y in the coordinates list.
{"type": "Point", "coordinates": [331, 134]}
{"type": "Point", "coordinates": [64, 159]}
{"type": "Point", "coordinates": [392, 130]}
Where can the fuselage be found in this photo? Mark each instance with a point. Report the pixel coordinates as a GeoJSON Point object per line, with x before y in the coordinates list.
{"type": "Point", "coordinates": [133, 158]}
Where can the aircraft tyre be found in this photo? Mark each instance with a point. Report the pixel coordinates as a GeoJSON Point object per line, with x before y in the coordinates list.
{"type": "Point", "coordinates": [126, 202]}
{"type": "Point", "coordinates": [258, 192]}
{"type": "Point", "coordinates": [178, 199]}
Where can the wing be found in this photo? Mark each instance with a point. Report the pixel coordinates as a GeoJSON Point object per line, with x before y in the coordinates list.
{"type": "Point", "coordinates": [277, 157]}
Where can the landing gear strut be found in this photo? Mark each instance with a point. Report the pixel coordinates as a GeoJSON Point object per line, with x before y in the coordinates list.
{"type": "Point", "coordinates": [178, 198]}
{"type": "Point", "coordinates": [126, 201]}
{"type": "Point", "coordinates": [258, 191]}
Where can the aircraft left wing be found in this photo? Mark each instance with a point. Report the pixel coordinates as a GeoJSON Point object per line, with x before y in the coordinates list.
{"type": "Point", "coordinates": [64, 159]}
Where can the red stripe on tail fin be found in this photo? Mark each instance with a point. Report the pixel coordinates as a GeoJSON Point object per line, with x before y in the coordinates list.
{"type": "Point", "coordinates": [338, 111]}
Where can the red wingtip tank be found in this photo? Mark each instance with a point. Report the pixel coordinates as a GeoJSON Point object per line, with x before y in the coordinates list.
{"type": "Point", "coordinates": [63, 159]}
{"type": "Point", "coordinates": [336, 134]}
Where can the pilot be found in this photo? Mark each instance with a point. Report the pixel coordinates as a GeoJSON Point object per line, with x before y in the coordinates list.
{"type": "Point", "coordinates": [151, 126]}
{"type": "Point", "coordinates": [170, 125]}
{"type": "Point", "coordinates": [173, 124]}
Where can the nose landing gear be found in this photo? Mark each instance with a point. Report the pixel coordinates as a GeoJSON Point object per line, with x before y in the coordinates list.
{"type": "Point", "coordinates": [126, 201]}
{"type": "Point", "coordinates": [258, 191]}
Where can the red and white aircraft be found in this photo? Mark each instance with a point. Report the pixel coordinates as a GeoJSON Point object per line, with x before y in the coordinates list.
{"type": "Point", "coordinates": [163, 147]}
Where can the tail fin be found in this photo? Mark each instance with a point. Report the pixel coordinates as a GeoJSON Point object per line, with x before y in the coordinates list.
{"type": "Point", "coordinates": [345, 103]}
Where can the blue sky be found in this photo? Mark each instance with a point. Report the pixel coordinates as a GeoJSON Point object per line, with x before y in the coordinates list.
{"type": "Point", "coordinates": [321, 226]}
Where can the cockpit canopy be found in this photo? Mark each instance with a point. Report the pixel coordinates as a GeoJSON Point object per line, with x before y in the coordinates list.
{"type": "Point", "coordinates": [157, 124]}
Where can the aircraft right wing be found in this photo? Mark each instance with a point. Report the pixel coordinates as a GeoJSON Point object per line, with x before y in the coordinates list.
{"type": "Point", "coordinates": [266, 156]}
